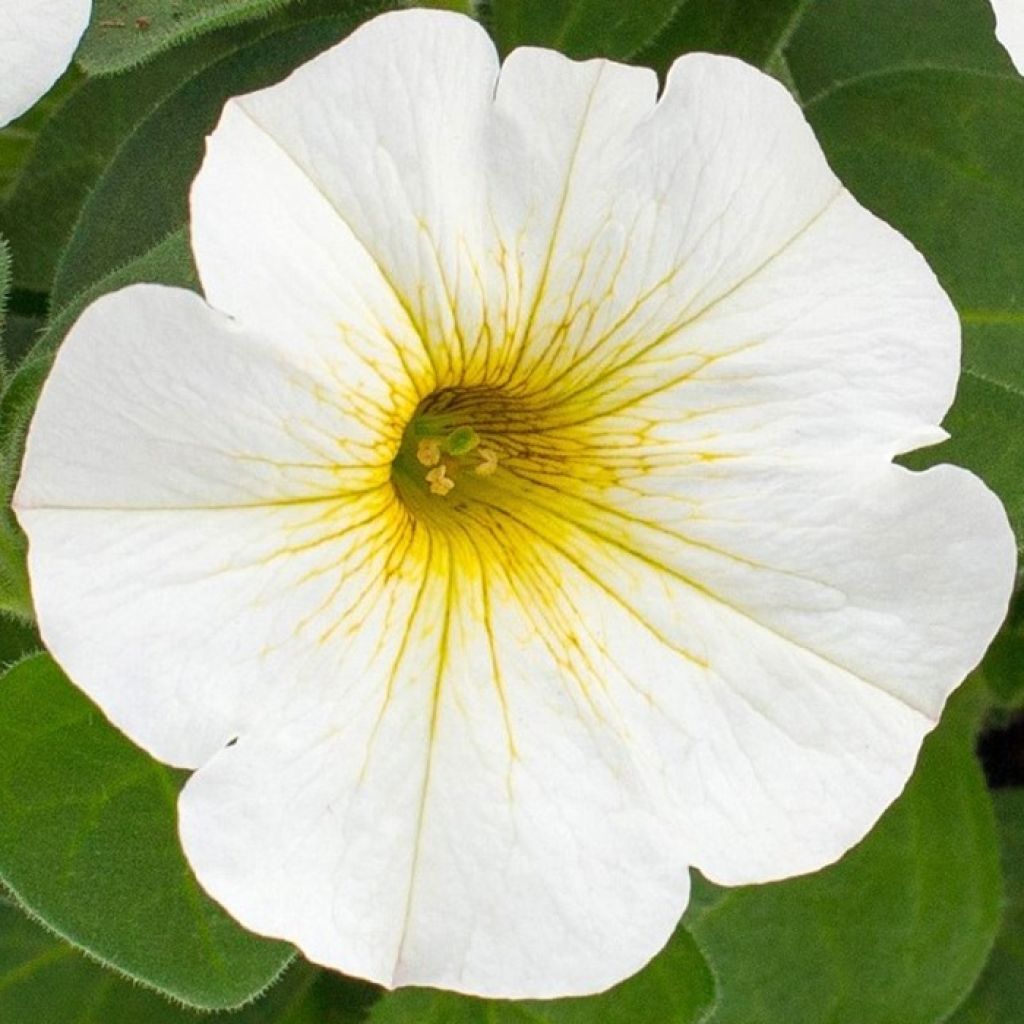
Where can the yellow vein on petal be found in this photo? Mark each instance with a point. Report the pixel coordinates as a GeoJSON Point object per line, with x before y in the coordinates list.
{"type": "Point", "coordinates": [556, 228]}
{"type": "Point", "coordinates": [690, 319]}
{"type": "Point", "coordinates": [443, 654]}
{"type": "Point", "coordinates": [399, 296]}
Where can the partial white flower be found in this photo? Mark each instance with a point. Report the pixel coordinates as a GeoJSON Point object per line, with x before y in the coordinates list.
{"type": "Point", "coordinates": [38, 38]}
{"type": "Point", "coordinates": [1010, 29]}
{"type": "Point", "coordinates": [521, 500]}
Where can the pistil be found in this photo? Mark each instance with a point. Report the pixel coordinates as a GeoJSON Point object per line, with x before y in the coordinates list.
{"type": "Point", "coordinates": [446, 451]}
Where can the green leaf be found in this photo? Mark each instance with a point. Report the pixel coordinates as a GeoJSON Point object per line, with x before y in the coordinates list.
{"type": "Point", "coordinates": [15, 144]}
{"type": "Point", "coordinates": [922, 117]}
{"type": "Point", "coordinates": [897, 931]}
{"type": "Point", "coordinates": [14, 593]}
{"type": "Point", "coordinates": [999, 995]}
{"type": "Point", "coordinates": [143, 195]}
{"type": "Point", "coordinates": [754, 30]}
{"type": "Point", "coordinates": [88, 843]}
{"type": "Point", "coordinates": [20, 332]}
{"type": "Point", "coordinates": [17, 139]}
{"type": "Point", "coordinates": [124, 33]}
{"type": "Point", "coordinates": [18, 399]}
{"type": "Point", "coordinates": [580, 28]}
{"type": "Point", "coordinates": [45, 981]}
{"type": "Point", "coordinates": [16, 404]}
{"type": "Point", "coordinates": [674, 988]}
{"type": "Point", "coordinates": [838, 42]}
{"type": "Point", "coordinates": [5, 294]}
{"type": "Point", "coordinates": [17, 639]}
{"type": "Point", "coordinates": [77, 143]}
{"type": "Point", "coordinates": [1003, 667]}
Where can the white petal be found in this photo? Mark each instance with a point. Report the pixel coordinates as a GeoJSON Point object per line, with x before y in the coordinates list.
{"type": "Point", "coordinates": [842, 342]}
{"type": "Point", "coordinates": [190, 499]}
{"type": "Point", "coordinates": [715, 248]}
{"type": "Point", "coordinates": [458, 813]}
{"type": "Point", "coordinates": [1010, 29]}
{"type": "Point", "coordinates": [563, 203]}
{"type": "Point", "coordinates": [573, 250]}
{"type": "Point", "coordinates": [472, 205]}
{"type": "Point", "coordinates": [38, 38]}
{"type": "Point", "coordinates": [825, 612]}
{"type": "Point", "coordinates": [387, 128]}
{"type": "Point", "coordinates": [501, 799]}
{"type": "Point", "coordinates": [274, 253]}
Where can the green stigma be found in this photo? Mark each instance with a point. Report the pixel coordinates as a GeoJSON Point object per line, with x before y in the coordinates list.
{"type": "Point", "coordinates": [461, 441]}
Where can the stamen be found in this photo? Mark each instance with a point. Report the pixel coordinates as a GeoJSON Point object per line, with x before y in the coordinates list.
{"type": "Point", "coordinates": [488, 462]}
{"type": "Point", "coordinates": [440, 482]}
{"type": "Point", "coordinates": [440, 441]}
{"type": "Point", "coordinates": [428, 451]}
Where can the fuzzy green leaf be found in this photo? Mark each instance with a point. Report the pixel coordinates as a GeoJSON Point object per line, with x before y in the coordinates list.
{"type": "Point", "coordinates": [123, 33]}
{"type": "Point", "coordinates": [17, 639]}
{"type": "Point", "coordinates": [5, 292]}
{"type": "Point", "coordinates": [674, 988]}
{"type": "Point", "coordinates": [88, 842]}
{"type": "Point", "coordinates": [897, 931]}
{"type": "Point", "coordinates": [143, 195]}
{"type": "Point", "coordinates": [45, 981]}
{"type": "Point", "coordinates": [18, 139]}
{"type": "Point", "coordinates": [77, 143]}
{"type": "Point", "coordinates": [14, 595]}
{"type": "Point", "coordinates": [20, 333]}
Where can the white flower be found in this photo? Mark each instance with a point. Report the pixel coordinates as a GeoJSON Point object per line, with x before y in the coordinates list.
{"type": "Point", "coordinates": [521, 500]}
{"type": "Point", "coordinates": [38, 38]}
{"type": "Point", "coordinates": [1010, 29]}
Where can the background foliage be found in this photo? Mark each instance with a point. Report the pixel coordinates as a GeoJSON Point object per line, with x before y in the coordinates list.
{"type": "Point", "coordinates": [922, 115]}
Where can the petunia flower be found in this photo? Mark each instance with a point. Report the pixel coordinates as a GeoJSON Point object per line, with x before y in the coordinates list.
{"type": "Point", "coordinates": [514, 525]}
{"type": "Point", "coordinates": [38, 38]}
{"type": "Point", "coordinates": [1010, 29]}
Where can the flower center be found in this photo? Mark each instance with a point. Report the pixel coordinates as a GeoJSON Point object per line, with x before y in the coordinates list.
{"type": "Point", "coordinates": [449, 449]}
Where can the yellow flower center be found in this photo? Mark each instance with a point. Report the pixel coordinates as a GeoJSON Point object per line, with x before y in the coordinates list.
{"type": "Point", "coordinates": [443, 453]}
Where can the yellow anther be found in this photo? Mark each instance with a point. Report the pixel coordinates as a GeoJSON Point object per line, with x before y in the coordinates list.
{"type": "Point", "coordinates": [428, 452]}
{"type": "Point", "coordinates": [440, 482]}
{"type": "Point", "coordinates": [488, 462]}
